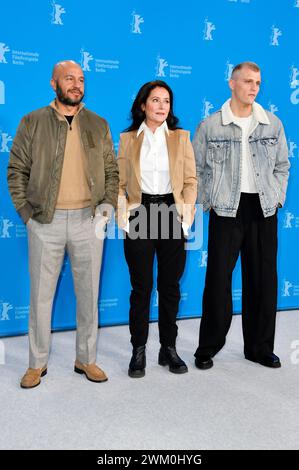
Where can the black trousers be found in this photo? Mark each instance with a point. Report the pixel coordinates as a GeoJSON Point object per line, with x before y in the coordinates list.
{"type": "Point", "coordinates": [255, 237]}
{"type": "Point", "coordinates": [171, 257]}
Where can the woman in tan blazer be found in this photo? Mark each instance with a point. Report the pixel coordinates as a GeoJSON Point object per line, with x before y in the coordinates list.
{"type": "Point", "coordinates": [157, 193]}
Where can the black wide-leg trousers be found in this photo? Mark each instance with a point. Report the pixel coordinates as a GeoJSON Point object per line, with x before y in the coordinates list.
{"type": "Point", "coordinates": [255, 238]}
{"type": "Point", "coordinates": [171, 258]}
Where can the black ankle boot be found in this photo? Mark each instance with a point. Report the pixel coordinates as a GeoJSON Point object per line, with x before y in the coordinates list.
{"type": "Point", "coordinates": [169, 356]}
{"type": "Point", "coordinates": [137, 363]}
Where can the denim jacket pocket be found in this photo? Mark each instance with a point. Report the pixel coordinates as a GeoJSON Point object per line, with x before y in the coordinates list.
{"type": "Point", "coordinates": [218, 150]}
{"type": "Point", "coordinates": [269, 144]}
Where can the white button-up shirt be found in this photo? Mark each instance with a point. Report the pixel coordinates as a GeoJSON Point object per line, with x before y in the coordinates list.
{"type": "Point", "coordinates": [154, 161]}
{"type": "Point", "coordinates": [154, 164]}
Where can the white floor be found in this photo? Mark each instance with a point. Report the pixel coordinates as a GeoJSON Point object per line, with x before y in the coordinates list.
{"type": "Point", "coordinates": [235, 405]}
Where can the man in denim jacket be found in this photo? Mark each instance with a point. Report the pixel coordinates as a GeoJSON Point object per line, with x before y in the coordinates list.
{"type": "Point", "coordinates": [242, 168]}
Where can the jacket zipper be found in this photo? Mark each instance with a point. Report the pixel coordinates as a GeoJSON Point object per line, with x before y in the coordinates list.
{"type": "Point", "coordinates": [88, 168]}
{"type": "Point", "coordinates": [56, 153]}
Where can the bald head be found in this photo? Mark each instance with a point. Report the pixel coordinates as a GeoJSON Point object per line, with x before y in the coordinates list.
{"type": "Point", "coordinates": [68, 83]}
{"type": "Point", "coordinates": [62, 66]}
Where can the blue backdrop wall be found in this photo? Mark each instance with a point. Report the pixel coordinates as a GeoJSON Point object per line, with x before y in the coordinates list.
{"type": "Point", "coordinates": [121, 44]}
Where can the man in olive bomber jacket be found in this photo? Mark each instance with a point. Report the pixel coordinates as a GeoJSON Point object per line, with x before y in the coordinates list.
{"type": "Point", "coordinates": [63, 180]}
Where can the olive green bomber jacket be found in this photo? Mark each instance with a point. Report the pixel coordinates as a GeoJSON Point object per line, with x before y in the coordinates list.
{"type": "Point", "coordinates": [36, 160]}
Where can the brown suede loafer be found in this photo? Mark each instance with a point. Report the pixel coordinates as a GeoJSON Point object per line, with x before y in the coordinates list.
{"type": "Point", "coordinates": [91, 371]}
{"type": "Point", "coordinates": [32, 377]}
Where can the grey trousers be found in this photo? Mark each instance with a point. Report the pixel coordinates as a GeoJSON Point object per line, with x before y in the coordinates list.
{"type": "Point", "coordinates": [72, 231]}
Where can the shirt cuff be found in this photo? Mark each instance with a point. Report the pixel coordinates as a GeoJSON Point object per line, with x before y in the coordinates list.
{"type": "Point", "coordinates": [127, 226]}
{"type": "Point", "coordinates": [186, 228]}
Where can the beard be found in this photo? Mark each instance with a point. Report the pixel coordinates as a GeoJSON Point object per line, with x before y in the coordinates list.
{"type": "Point", "coordinates": [64, 99]}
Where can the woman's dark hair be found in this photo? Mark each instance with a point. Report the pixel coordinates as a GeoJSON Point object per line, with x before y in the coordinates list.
{"type": "Point", "coordinates": [138, 116]}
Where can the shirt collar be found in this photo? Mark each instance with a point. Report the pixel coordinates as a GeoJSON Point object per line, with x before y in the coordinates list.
{"type": "Point", "coordinates": [258, 112]}
{"type": "Point", "coordinates": [145, 128]}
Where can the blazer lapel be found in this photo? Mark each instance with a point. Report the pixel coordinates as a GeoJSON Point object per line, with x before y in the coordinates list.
{"type": "Point", "coordinates": [136, 148]}
{"type": "Point", "coordinates": [172, 152]}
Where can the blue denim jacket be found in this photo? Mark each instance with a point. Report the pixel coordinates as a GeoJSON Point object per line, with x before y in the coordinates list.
{"type": "Point", "coordinates": [217, 147]}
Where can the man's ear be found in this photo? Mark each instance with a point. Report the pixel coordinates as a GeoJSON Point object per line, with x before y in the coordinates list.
{"type": "Point", "coordinates": [53, 84]}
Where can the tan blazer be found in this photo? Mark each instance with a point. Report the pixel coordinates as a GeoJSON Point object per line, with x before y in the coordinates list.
{"type": "Point", "coordinates": [182, 173]}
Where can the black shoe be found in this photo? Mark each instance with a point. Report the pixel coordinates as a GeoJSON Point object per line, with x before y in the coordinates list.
{"type": "Point", "coordinates": [137, 363]}
{"type": "Point", "coordinates": [203, 361]}
{"type": "Point", "coordinates": [269, 360]}
{"type": "Point", "coordinates": [169, 357]}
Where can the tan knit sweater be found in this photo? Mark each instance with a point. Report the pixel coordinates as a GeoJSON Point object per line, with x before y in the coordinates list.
{"type": "Point", "coordinates": [74, 192]}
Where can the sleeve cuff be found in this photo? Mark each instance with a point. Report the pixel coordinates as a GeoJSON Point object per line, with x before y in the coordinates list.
{"type": "Point", "coordinates": [26, 212]}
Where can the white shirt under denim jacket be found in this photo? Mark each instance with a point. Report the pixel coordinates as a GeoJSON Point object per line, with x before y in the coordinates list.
{"type": "Point", "coordinates": [218, 152]}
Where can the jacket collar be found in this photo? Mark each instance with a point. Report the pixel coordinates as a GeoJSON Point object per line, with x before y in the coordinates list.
{"type": "Point", "coordinates": [259, 114]}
